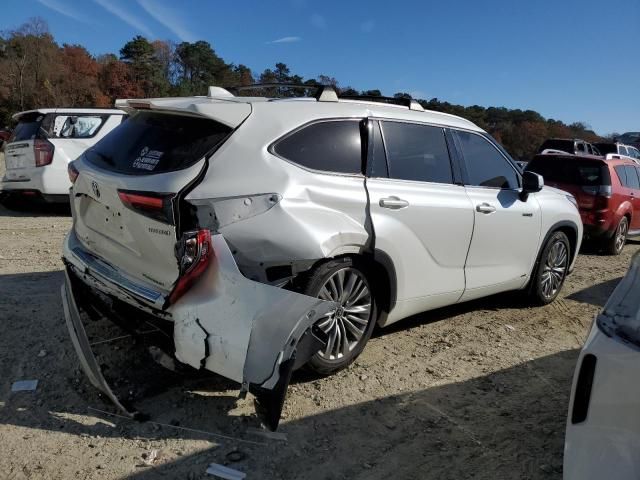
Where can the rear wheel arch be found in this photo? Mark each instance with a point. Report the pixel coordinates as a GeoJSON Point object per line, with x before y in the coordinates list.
{"type": "Point", "coordinates": [381, 268]}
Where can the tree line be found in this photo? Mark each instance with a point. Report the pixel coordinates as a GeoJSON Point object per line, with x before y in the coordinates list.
{"type": "Point", "coordinates": [38, 72]}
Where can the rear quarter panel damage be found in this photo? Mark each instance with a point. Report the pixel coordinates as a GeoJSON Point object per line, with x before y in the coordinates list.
{"type": "Point", "coordinates": [240, 328]}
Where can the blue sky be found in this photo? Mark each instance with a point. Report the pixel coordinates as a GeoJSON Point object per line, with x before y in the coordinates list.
{"type": "Point", "coordinates": [567, 59]}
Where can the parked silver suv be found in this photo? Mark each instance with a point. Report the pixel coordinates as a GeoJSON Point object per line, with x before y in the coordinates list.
{"type": "Point", "coordinates": [266, 234]}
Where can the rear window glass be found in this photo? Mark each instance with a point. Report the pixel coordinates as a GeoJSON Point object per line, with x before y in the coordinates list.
{"type": "Point", "coordinates": [332, 146]}
{"type": "Point", "coordinates": [28, 127]}
{"type": "Point", "coordinates": [562, 145]}
{"type": "Point", "coordinates": [150, 142]}
{"type": "Point", "coordinates": [571, 171]}
{"type": "Point", "coordinates": [607, 148]}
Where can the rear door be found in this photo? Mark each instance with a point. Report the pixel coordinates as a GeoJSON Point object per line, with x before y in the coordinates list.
{"type": "Point", "coordinates": [507, 229]}
{"type": "Point", "coordinates": [125, 199]}
{"type": "Point", "coordinates": [19, 155]}
{"type": "Point", "coordinates": [421, 217]}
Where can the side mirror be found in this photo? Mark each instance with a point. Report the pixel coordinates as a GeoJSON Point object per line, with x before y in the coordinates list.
{"type": "Point", "coordinates": [531, 183]}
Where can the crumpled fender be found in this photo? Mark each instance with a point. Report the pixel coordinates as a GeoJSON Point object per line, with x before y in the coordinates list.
{"type": "Point", "coordinates": [245, 330]}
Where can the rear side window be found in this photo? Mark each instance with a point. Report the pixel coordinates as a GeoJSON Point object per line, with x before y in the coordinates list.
{"type": "Point", "coordinates": [331, 146]}
{"type": "Point", "coordinates": [622, 150]}
{"type": "Point", "coordinates": [622, 174]}
{"type": "Point", "coordinates": [417, 152]}
{"type": "Point", "coordinates": [150, 142]}
{"type": "Point", "coordinates": [571, 171]}
{"type": "Point", "coordinates": [632, 177]}
{"type": "Point", "coordinates": [628, 175]}
{"type": "Point", "coordinates": [486, 166]}
{"type": "Point", "coordinates": [72, 126]}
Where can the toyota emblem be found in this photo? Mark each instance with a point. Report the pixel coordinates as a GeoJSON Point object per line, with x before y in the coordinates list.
{"type": "Point", "coordinates": [95, 188]}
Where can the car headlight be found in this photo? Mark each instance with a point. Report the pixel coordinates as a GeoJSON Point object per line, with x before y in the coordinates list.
{"type": "Point", "coordinates": [573, 200]}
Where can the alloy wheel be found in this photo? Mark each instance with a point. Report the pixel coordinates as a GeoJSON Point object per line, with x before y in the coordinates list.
{"type": "Point", "coordinates": [621, 234]}
{"type": "Point", "coordinates": [554, 269]}
{"type": "Point", "coordinates": [346, 325]}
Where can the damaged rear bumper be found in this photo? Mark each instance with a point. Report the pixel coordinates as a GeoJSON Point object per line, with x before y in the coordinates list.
{"type": "Point", "coordinates": [249, 332]}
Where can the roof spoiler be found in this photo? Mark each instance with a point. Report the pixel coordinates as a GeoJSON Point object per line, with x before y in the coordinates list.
{"type": "Point", "coordinates": [553, 151]}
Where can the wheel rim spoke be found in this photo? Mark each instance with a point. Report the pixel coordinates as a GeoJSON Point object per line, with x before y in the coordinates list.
{"type": "Point", "coordinates": [554, 270]}
{"type": "Point", "coordinates": [345, 327]}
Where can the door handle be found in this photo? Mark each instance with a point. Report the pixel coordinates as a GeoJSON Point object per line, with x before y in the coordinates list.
{"type": "Point", "coordinates": [485, 208]}
{"type": "Point", "coordinates": [394, 203]}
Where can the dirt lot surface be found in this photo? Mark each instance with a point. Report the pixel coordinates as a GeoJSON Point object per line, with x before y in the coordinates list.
{"type": "Point", "coordinates": [479, 390]}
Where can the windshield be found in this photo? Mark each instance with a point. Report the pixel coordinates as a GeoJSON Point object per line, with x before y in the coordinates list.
{"type": "Point", "coordinates": [557, 144]}
{"type": "Point", "coordinates": [572, 171]}
{"type": "Point", "coordinates": [607, 148]}
{"type": "Point", "coordinates": [28, 127]}
{"type": "Point", "coordinates": [157, 142]}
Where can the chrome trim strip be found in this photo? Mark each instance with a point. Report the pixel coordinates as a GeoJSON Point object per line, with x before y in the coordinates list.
{"type": "Point", "coordinates": [101, 269]}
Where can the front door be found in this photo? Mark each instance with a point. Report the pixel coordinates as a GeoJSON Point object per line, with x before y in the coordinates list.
{"type": "Point", "coordinates": [506, 230]}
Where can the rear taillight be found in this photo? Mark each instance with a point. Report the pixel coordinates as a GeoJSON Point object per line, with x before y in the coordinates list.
{"type": "Point", "coordinates": [194, 253]}
{"type": "Point", "coordinates": [73, 172]}
{"type": "Point", "coordinates": [153, 205]}
{"type": "Point", "coordinates": [43, 152]}
{"type": "Point", "coordinates": [602, 194]}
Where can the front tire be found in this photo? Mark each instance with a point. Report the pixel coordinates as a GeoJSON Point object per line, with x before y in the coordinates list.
{"type": "Point", "coordinates": [615, 244]}
{"type": "Point", "coordinates": [551, 270]}
{"type": "Point", "coordinates": [348, 328]}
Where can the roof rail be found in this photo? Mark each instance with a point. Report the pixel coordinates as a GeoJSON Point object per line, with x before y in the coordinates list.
{"type": "Point", "coordinates": [403, 101]}
{"type": "Point", "coordinates": [324, 93]}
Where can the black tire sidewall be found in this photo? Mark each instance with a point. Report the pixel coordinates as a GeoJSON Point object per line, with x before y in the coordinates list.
{"type": "Point", "coordinates": [536, 291]}
{"type": "Point", "coordinates": [314, 282]}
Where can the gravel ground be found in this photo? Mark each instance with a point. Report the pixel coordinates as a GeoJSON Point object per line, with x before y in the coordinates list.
{"type": "Point", "coordinates": [479, 390]}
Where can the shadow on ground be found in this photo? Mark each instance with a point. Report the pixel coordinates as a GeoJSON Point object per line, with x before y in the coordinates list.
{"type": "Point", "coordinates": [507, 424]}
{"type": "Point", "coordinates": [26, 207]}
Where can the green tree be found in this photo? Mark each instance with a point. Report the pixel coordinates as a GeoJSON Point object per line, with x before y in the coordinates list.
{"type": "Point", "coordinates": [145, 66]}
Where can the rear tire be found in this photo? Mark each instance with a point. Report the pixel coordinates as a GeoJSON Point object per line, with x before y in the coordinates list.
{"type": "Point", "coordinates": [348, 328]}
{"type": "Point", "coordinates": [551, 270]}
{"type": "Point", "coordinates": [615, 244]}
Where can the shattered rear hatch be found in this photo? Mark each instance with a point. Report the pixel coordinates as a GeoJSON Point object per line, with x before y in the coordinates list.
{"type": "Point", "coordinates": [253, 333]}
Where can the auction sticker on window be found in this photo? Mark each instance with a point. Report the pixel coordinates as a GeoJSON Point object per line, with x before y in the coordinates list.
{"type": "Point", "coordinates": [148, 159]}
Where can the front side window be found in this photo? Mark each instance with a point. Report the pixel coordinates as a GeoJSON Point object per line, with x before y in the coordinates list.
{"type": "Point", "coordinates": [417, 152]}
{"type": "Point", "coordinates": [486, 166]}
{"type": "Point", "coordinates": [622, 150]}
{"type": "Point", "coordinates": [331, 146]}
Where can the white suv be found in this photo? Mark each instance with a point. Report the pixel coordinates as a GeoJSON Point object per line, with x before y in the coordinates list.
{"type": "Point", "coordinates": [270, 233]}
{"type": "Point", "coordinates": [45, 141]}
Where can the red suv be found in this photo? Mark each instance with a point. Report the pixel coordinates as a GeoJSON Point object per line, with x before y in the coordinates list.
{"type": "Point", "coordinates": [607, 193]}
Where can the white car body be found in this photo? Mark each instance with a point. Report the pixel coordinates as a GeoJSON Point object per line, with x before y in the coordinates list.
{"type": "Point", "coordinates": [267, 212]}
{"type": "Point", "coordinates": [603, 426]}
{"type": "Point", "coordinates": [51, 181]}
